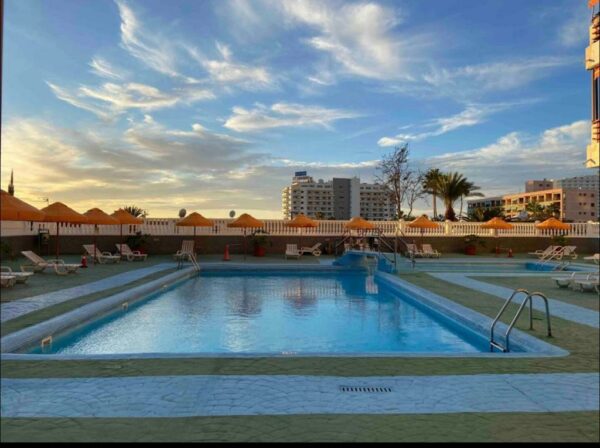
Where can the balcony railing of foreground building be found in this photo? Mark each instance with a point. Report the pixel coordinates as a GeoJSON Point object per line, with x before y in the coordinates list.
{"type": "Point", "coordinates": [166, 227]}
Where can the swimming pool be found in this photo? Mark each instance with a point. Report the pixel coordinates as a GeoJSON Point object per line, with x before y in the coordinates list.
{"type": "Point", "coordinates": [237, 313]}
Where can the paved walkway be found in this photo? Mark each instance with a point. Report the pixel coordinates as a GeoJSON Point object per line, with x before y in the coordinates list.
{"type": "Point", "coordinates": [17, 308]}
{"type": "Point", "coordinates": [208, 395]}
{"type": "Point", "coordinates": [558, 308]}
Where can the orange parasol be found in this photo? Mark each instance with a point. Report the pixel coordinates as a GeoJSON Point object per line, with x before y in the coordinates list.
{"type": "Point", "coordinates": [358, 223]}
{"type": "Point", "coordinates": [59, 212]}
{"type": "Point", "coordinates": [497, 224]}
{"type": "Point", "coordinates": [127, 218]}
{"type": "Point", "coordinates": [13, 209]}
{"type": "Point", "coordinates": [423, 222]}
{"type": "Point", "coordinates": [246, 221]}
{"type": "Point", "coordinates": [302, 222]}
{"type": "Point", "coordinates": [98, 217]}
{"type": "Point", "coordinates": [553, 224]}
{"type": "Point", "coordinates": [195, 220]}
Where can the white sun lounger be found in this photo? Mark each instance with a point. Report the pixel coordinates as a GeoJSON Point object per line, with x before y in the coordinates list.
{"type": "Point", "coordinates": [7, 281]}
{"type": "Point", "coordinates": [311, 250]}
{"type": "Point", "coordinates": [187, 250]}
{"type": "Point", "coordinates": [430, 252]}
{"type": "Point", "coordinates": [40, 265]}
{"type": "Point", "coordinates": [99, 256]}
{"type": "Point", "coordinates": [22, 277]}
{"type": "Point", "coordinates": [566, 281]}
{"type": "Point", "coordinates": [413, 251]}
{"type": "Point", "coordinates": [291, 250]}
{"type": "Point", "coordinates": [569, 251]}
{"type": "Point", "coordinates": [586, 285]}
{"type": "Point", "coordinates": [544, 253]}
{"type": "Point", "coordinates": [595, 258]}
{"type": "Point", "coordinates": [131, 255]}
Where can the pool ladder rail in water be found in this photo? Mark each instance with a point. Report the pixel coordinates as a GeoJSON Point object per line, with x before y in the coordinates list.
{"type": "Point", "coordinates": [528, 297]}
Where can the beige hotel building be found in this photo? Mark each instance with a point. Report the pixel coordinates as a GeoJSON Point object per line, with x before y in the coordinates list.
{"type": "Point", "coordinates": [576, 198]}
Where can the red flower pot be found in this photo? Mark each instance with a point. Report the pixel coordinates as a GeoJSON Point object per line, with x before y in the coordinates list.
{"type": "Point", "coordinates": [259, 251]}
{"type": "Point", "coordinates": [470, 250]}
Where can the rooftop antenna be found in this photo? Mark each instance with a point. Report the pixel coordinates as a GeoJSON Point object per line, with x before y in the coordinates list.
{"type": "Point", "coordinates": [11, 185]}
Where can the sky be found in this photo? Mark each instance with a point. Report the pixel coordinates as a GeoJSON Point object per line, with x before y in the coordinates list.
{"type": "Point", "coordinates": [212, 105]}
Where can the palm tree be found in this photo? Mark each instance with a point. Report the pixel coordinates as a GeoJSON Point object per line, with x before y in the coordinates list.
{"type": "Point", "coordinates": [450, 189]}
{"type": "Point", "coordinates": [431, 186]}
{"type": "Point", "coordinates": [136, 211]}
{"type": "Point", "coordinates": [469, 189]}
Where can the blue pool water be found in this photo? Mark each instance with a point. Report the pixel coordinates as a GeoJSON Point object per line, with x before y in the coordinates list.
{"type": "Point", "coordinates": [259, 313]}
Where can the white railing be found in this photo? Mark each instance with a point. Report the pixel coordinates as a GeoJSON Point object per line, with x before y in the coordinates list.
{"type": "Point", "coordinates": [166, 226]}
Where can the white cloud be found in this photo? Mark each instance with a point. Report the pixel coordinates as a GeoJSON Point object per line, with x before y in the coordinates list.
{"type": "Point", "coordinates": [226, 71]}
{"type": "Point", "coordinates": [472, 115]}
{"type": "Point", "coordinates": [284, 115]}
{"type": "Point", "coordinates": [358, 36]}
{"type": "Point", "coordinates": [495, 76]}
{"type": "Point", "coordinates": [103, 68]}
{"type": "Point", "coordinates": [75, 100]}
{"type": "Point", "coordinates": [111, 99]}
{"type": "Point", "coordinates": [150, 48]}
{"type": "Point", "coordinates": [503, 166]}
{"type": "Point", "coordinates": [574, 30]}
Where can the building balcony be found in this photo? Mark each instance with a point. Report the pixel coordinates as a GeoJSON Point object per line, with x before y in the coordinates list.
{"type": "Point", "coordinates": [592, 56]}
{"type": "Point", "coordinates": [593, 155]}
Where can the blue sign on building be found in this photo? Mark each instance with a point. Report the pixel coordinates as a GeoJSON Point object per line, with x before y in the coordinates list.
{"type": "Point", "coordinates": [300, 173]}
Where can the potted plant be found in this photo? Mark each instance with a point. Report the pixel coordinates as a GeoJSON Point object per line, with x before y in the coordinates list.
{"type": "Point", "coordinates": [471, 242]}
{"type": "Point", "coordinates": [6, 251]}
{"type": "Point", "coordinates": [559, 240]}
{"type": "Point", "coordinates": [137, 241]}
{"type": "Point", "coordinates": [260, 242]}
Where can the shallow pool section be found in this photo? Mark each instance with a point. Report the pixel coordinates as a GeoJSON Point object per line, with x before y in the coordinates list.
{"type": "Point", "coordinates": [519, 267]}
{"type": "Point", "coordinates": [272, 314]}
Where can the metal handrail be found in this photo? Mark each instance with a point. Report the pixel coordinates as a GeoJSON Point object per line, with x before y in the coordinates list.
{"type": "Point", "coordinates": [492, 342]}
{"type": "Point", "coordinates": [514, 321]}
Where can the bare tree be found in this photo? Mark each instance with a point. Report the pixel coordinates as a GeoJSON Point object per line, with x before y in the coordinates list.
{"type": "Point", "coordinates": [404, 184]}
{"type": "Point", "coordinates": [393, 174]}
{"type": "Point", "coordinates": [413, 189]}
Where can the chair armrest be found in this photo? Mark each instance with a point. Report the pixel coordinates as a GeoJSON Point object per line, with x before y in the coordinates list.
{"type": "Point", "coordinates": [56, 261]}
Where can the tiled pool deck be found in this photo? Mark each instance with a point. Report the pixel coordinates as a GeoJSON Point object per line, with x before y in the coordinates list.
{"type": "Point", "coordinates": [132, 398]}
{"type": "Point", "coordinates": [217, 395]}
{"type": "Point", "coordinates": [557, 308]}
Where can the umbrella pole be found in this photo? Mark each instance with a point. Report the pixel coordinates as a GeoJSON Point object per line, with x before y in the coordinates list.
{"type": "Point", "coordinates": [244, 244]}
{"type": "Point", "coordinates": [121, 239]}
{"type": "Point", "coordinates": [95, 247]}
{"type": "Point", "coordinates": [497, 248]}
{"type": "Point", "coordinates": [57, 234]}
{"type": "Point", "coordinates": [194, 250]}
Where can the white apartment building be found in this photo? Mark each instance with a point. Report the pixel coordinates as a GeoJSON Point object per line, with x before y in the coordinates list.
{"type": "Point", "coordinates": [339, 198]}
{"type": "Point", "coordinates": [590, 182]}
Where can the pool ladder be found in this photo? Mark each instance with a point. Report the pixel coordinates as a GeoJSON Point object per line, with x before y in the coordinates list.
{"type": "Point", "coordinates": [528, 297]}
{"type": "Point", "coordinates": [192, 259]}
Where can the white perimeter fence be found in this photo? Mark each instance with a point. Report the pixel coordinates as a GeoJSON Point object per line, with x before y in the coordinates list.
{"type": "Point", "coordinates": [166, 227]}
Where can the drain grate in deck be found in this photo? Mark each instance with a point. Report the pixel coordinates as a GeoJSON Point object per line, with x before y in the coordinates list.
{"type": "Point", "coordinates": [367, 389]}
